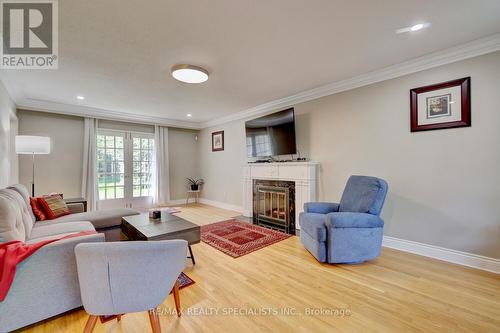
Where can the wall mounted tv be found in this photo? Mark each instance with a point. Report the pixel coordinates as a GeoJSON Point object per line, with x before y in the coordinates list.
{"type": "Point", "coordinates": [271, 135]}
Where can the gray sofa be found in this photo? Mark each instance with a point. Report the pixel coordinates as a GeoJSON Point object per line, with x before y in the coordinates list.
{"type": "Point", "coordinates": [46, 283]}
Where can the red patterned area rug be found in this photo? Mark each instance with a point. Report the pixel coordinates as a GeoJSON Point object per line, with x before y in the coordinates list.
{"type": "Point", "coordinates": [237, 238]}
{"type": "Point", "coordinates": [184, 281]}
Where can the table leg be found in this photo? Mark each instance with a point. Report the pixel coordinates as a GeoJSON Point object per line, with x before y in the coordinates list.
{"type": "Point", "coordinates": [191, 256]}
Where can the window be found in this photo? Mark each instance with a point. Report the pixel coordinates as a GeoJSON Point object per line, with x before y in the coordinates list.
{"type": "Point", "coordinates": [111, 166]}
{"type": "Point", "coordinates": [125, 167]}
{"type": "Point", "coordinates": [143, 159]}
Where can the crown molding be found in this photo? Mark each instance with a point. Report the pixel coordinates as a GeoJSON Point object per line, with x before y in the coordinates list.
{"type": "Point", "coordinates": [85, 111]}
{"type": "Point", "coordinates": [461, 52]}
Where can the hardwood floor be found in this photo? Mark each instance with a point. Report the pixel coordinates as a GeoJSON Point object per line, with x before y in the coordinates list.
{"type": "Point", "coordinates": [398, 292]}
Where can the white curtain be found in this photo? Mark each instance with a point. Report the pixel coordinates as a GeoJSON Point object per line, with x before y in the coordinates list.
{"type": "Point", "coordinates": [161, 175]}
{"type": "Point", "coordinates": [89, 177]}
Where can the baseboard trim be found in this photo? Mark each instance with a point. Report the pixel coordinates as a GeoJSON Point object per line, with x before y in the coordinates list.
{"type": "Point", "coordinates": [441, 253]}
{"type": "Point", "coordinates": [222, 205]}
{"type": "Point", "coordinates": [426, 250]}
{"type": "Point", "coordinates": [177, 202]}
{"type": "Point", "coordinates": [218, 204]}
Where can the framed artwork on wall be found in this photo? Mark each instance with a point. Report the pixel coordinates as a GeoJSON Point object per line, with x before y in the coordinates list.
{"type": "Point", "coordinates": [218, 141]}
{"type": "Point", "coordinates": [442, 105]}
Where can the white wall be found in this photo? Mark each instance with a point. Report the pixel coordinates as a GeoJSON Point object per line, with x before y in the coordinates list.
{"type": "Point", "coordinates": [183, 160]}
{"type": "Point", "coordinates": [61, 170]}
{"type": "Point", "coordinates": [123, 126]}
{"type": "Point", "coordinates": [444, 185]}
{"type": "Point", "coordinates": [222, 170]}
{"type": "Point", "coordinates": [14, 158]}
{"type": "Point", "coordinates": [8, 130]}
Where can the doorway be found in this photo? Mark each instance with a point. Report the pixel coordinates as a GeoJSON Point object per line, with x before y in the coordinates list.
{"type": "Point", "coordinates": [125, 169]}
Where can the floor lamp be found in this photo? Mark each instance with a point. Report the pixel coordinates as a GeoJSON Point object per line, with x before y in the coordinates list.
{"type": "Point", "coordinates": [32, 145]}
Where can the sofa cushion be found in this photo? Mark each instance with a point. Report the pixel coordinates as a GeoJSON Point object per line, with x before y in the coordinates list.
{"type": "Point", "coordinates": [11, 223]}
{"type": "Point", "coordinates": [20, 204]}
{"type": "Point", "coordinates": [41, 230]}
{"type": "Point", "coordinates": [100, 218]}
{"type": "Point", "coordinates": [314, 225]}
{"type": "Point", "coordinates": [37, 209]}
{"type": "Point", "coordinates": [363, 194]}
{"type": "Point", "coordinates": [54, 206]}
{"type": "Point", "coordinates": [23, 191]}
{"type": "Point", "coordinates": [56, 236]}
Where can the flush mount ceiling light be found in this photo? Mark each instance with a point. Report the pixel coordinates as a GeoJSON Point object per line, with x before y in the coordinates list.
{"type": "Point", "coordinates": [189, 73]}
{"type": "Point", "coordinates": [413, 28]}
{"type": "Point", "coordinates": [417, 27]}
{"type": "Point", "coordinates": [189, 115]}
{"type": "Point", "coordinates": [80, 97]}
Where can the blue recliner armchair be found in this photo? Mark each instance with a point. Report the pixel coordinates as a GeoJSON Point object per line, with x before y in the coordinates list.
{"type": "Point", "coordinates": [348, 232]}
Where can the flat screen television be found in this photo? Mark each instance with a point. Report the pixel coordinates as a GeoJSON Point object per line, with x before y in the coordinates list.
{"type": "Point", "coordinates": [271, 135]}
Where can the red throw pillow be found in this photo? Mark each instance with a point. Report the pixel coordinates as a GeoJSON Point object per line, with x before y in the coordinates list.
{"type": "Point", "coordinates": [37, 210]}
{"type": "Point", "coordinates": [54, 206]}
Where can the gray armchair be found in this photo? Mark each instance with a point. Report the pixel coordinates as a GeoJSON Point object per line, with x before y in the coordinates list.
{"type": "Point", "coordinates": [350, 231]}
{"type": "Point", "coordinates": [123, 277]}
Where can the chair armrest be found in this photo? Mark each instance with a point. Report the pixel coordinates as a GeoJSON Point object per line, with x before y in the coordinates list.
{"type": "Point", "coordinates": [76, 207]}
{"type": "Point", "coordinates": [321, 207]}
{"type": "Point", "coordinates": [353, 220]}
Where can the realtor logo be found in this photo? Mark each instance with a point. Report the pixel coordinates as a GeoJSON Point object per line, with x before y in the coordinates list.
{"type": "Point", "coordinates": [29, 34]}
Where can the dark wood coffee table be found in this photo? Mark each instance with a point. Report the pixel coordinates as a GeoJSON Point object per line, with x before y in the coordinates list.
{"type": "Point", "coordinates": [142, 227]}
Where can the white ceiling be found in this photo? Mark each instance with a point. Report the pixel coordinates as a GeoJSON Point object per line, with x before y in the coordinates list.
{"type": "Point", "coordinates": [118, 53]}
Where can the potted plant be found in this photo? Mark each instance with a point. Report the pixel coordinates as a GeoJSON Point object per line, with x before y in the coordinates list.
{"type": "Point", "coordinates": [195, 183]}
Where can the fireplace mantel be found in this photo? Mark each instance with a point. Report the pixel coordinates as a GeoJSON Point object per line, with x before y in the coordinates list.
{"type": "Point", "coordinates": [304, 174]}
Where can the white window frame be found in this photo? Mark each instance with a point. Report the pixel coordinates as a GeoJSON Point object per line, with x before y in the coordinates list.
{"type": "Point", "coordinates": [128, 199]}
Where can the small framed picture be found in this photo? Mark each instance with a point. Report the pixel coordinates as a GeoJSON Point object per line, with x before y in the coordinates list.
{"type": "Point", "coordinates": [218, 141]}
{"type": "Point", "coordinates": [443, 105]}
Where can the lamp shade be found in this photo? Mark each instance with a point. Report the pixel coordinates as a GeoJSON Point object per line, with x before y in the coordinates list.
{"type": "Point", "coordinates": [29, 144]}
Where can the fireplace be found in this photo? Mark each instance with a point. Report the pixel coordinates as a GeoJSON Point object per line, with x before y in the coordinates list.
{"type": "Point", "coordinates": [300, 177]}
{"type": "Point", "coordinates": [274, 204]}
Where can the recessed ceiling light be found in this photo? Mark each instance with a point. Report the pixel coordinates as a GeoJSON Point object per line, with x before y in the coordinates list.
{"type": "Point", "coordinates": [80, 97]}
{"type": "Point", "coordinates": [413, 28]}
{"type": "Point", "coordinates": [189, 73]}
{"type": "Point", "coordinates": [189, 115]}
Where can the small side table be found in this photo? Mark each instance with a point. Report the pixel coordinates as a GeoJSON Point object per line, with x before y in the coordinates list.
{"type": "Point", "coordinates": [83, 201]}
{"type": "Point", "coordinates": [194, 194]}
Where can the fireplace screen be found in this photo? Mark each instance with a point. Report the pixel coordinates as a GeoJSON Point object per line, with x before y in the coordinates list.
{"type": "Point", "coordinates": [274, 205]}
